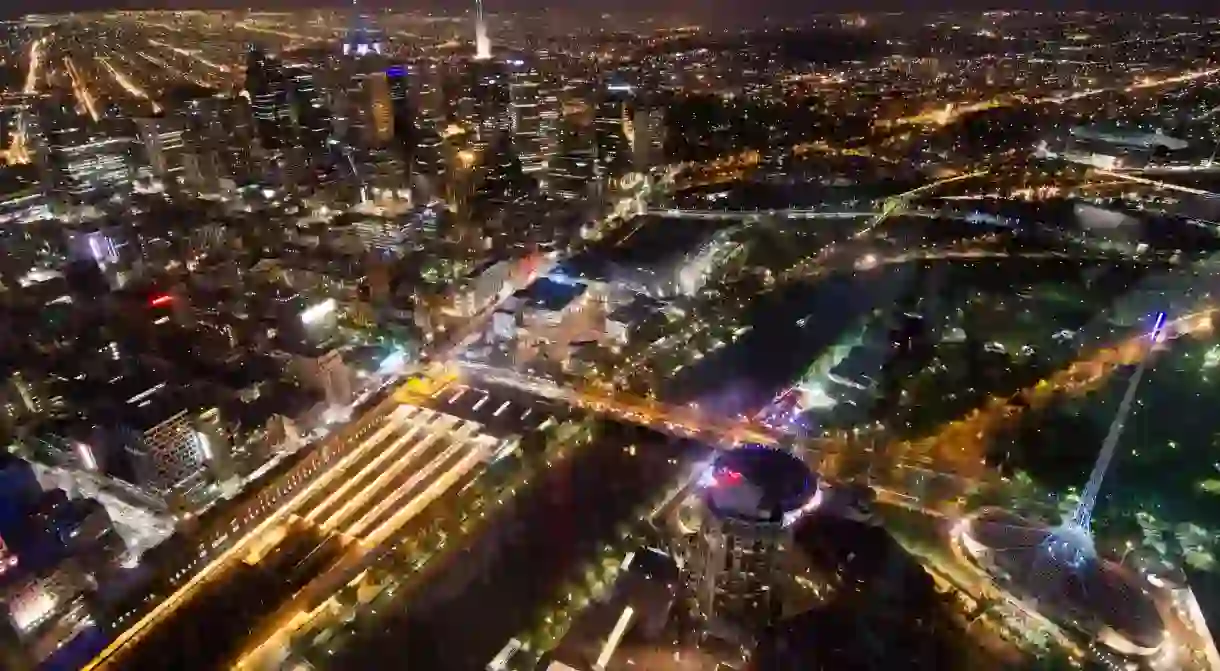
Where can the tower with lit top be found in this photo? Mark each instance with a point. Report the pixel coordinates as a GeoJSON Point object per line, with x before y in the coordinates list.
{"type": "Point", "coordinates": [734, 533]}
{"type": "Point", "coordinates": [482, 43]}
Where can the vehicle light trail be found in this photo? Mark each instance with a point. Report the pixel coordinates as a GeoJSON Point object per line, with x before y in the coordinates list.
{"type": "Point", "coordinates": [128, 85]}
{"type": "Point", "coordinates": [1159, 185]}
{"type": "Point", "coordinates": [170, 68]}
{"type": "Point", "coordinates": [1142, 84]}
{"type": "Point", "coordinates": [190, 53]}
{"type": "Point", "coordinates": [80, 91]}
{"type": "Point", "coordinates": [17, 152]}
{"type": "Point", "coordinates": [954, 111]}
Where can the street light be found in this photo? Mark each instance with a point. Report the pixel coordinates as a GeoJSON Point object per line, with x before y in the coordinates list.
{"type": "Point", "coordinates": [1130, 547]}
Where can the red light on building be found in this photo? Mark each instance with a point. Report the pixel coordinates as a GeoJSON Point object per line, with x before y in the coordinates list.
{"type": "Point", "coordinates": [728, 477]}
{"type": "Point", "coordinates": [162, 300]}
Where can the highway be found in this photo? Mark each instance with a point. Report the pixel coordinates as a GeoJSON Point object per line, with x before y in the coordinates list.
{"type": "Point", "coordinates": [18, 151]}
{"type": "Point", "coordinates": [80, 88]}
{"type": "Point", "coordinates": [951, 112]}
{"type": "Point", "coordinates": [126, 83]}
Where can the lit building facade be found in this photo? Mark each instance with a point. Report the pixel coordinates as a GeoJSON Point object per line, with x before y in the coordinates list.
{"type": "Point", "coordinates": [734, 533]}
{"type": "Point", "coordinates": [526, 93]}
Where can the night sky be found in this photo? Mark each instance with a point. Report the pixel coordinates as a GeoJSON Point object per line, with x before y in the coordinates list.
{"type": "Point", "coordinates": [751, 8]}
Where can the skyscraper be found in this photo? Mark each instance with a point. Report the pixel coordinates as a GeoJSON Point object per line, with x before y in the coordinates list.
{"type": "Point", "coordinates": [572, 172]}
{"type": "Point", "coordinates": [268, 99]}
{"type": "Point", "coordinates": [482, 42]}
{"type": "Point", "coordinates": [735, 530]}
{"type": "Point", "coordinates": [525, 89]}
{"type": "Point", "coordinates": [312, 118]}
{"type": "Point", "coordinates": [610, 122]}
{"type": "Point", "coordinates": [397, 75]}
{"type": "Point", "coordinates": [363, 36]}
{"type": "Point", "coordinates": [376, 95]}
{"type": "Point", "coordinates": [487, 99]}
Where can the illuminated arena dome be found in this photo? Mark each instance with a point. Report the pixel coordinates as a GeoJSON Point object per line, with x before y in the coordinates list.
{"type": "Point", "coordinates": [760, 485]}
{"type": "Point", "coordinates": [1044, 565]}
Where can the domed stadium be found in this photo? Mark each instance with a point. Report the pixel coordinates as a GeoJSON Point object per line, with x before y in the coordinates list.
{"type": "Point", "coordinates": [759, 484]}
{"type": "Point", "coordinates": [1056, 570]}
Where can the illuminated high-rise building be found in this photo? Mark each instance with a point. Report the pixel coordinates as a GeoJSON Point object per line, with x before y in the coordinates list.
{"type": "Point", "coordinates": [310, 114]}
{"type": "Point", "coordinates": [611, 121]}
{"type": "Point", "coordinates": [484, 99]}
{"type": "Point", "coordinates": [428, 161]}
{"type": "Point", "coordinates": [268, 97]}
{"type": "Point", "coordinates": [381, 108]}
{"type": "Point", "coordinates": [82, 163]}
{"type": "Point", "coordinates": [482, 41]}
{"type": "Point", "coordinates": [647, 138]}
{"type": "Point", "coordinates": [363, 36]}
{"type": "Point", "coordinates": [525, 89]}
{"type": "Point", "coordinates": [164, 146]}
{"type": "Point", "coordinates": [237, 123]}
{"type": "Point", "coordinates": [399, 80]}
{"type": "Point", "coordinates": [572, 171]}
{"type": "Point", "coordinates": [734, 531]}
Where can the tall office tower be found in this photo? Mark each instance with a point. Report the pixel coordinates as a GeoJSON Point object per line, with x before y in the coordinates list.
{"type": "Point", "coordinates": [405, 135]}
{"type": "Point", "coordinates": [504, 178]}
{"type": "Point", "coordinates": [237, 121]}
{"type": "Point", "coordinates": [610, 125]}
{"type": "Point", "coordinates": [205, 140]}
{"type": "Point", "coordinates": [266, 88]}
{"type": "Point", "coordinates": [82, 164]}
{"type": "Point", "coordinates": [525, 82]}
{"type": "Point", "coordinates": [429, 92]}
{"type": "Point", "coordinates": [311, 117]}
{"type": "Point", "coordinates": [428, 163]}
{"type": "Point", "coordinates": [734, 532]}
{"type": "Point", "coordinates": [482, 41]}
{"type": "Point", "coordinates": [484, 100]}
{"type": "Point", "coordinates": [572, 172]}
{"type": "Point", "coordinates": [550, 109]}
{"type": "Point", "coordinates": [164, 146]}
{"type": "Point", "coordinates": [380, 127]}
{"type": "Point", "coordinates": [59, 127]}
{"type": "Point", "coordinates": [647, 138]}
{"type": "Point", "coordinates": [352, 114]}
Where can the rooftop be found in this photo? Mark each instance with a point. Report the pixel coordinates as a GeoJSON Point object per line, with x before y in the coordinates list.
{"type": "Point", "coordinates": [552, 294]}
{"type": "Point", "coordinates": [757, 483]}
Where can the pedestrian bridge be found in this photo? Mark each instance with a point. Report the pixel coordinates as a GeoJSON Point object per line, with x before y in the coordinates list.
{"type": "Point", "coordinates": [759, 215]}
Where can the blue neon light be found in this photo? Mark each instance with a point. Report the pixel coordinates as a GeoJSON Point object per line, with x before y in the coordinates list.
{"type": "Point", "coordinates": [1160, 324]}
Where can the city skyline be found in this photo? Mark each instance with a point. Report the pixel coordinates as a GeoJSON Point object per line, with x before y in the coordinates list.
{"type": "Point", "coordinates": [550, 341]}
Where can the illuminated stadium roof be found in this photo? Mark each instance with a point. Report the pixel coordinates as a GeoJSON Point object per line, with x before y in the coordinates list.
{"type": "Point", "coordinates": [1097, 594]}
{"type": "Point", "coordinates": [758, 484]}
